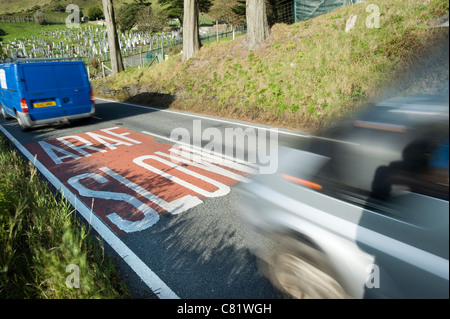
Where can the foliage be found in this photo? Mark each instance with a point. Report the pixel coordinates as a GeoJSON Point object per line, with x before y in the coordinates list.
{"type": "Point", "coordinates": [239, 8]}
{"type": "Point", "coordinates": [175, 8]}
{"type": "Point", "coordinates": [152, 19]}
{"type": "Point", "coordinates": [2, 53]}
{"type": "Point", "coordinates": [225, 11]}
{"type": "Point", "coordinates": [95, 64]}
{"type": "Point", "coordinates": [55, 6]}
{"type": "Point", "coordinates": [127, 15]}
{"type": "Point", "coordinates": [40, 236]}
{"type": "Point", "coordinates": [95, 13]}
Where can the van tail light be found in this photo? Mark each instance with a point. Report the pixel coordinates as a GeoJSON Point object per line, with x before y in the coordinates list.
{"type": "Point", "coordinates": [302, 182]}
{"type": "Point", "coordinates": [92, 98]}
{"type": "Point", "coordinates": [24, 105]}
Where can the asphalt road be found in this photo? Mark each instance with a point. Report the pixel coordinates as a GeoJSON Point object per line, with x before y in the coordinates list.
{"type": "Point", "coordinates": [176, 224]}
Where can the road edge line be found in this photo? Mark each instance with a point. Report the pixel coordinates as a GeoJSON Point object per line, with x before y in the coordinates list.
{"type": "Point", "coordinates": [136, 264]}
{"type": "Point", "coordinates": [203, 117]}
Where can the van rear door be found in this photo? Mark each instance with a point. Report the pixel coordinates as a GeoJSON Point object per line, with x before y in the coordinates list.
{"type": "Point", "coordinates": [41, 91]}
{"type": "Point", "coordinates": [74, 87]}
{"type": "Point", "coordinates": [56, 89]}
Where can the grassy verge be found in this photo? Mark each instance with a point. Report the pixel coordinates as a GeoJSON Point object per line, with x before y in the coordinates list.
{"type": "Point", "coordinates": [40, 237]}
{"type": "Point", "coordinates": [304, 75]}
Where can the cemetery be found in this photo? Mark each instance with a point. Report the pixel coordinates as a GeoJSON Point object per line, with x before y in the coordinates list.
{"type": "Point", "coordinates": [89, 42]}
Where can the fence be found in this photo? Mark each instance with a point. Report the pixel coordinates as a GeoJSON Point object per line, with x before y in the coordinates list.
{"type": "Point", "coordinates": [284, 12]}
{"type": "Point", "coordinates": [16, 19]}
{"type": "Point", "coordinates": [145, 58]}
{"type": "Point", "coordinates": [290, 11]}
{"type": "Point", "coordinates": [142, 60]}
{"type": "Point", "coordinates": [49, 18]}
{"type": "Point", "coordinates": [148, 58]}
{"type": "Point", "coordinates": [141, 56]}
{"type": "Point", "coordinates": [305, 10]}
{"type": "Point", "coordinates": [229, 32]}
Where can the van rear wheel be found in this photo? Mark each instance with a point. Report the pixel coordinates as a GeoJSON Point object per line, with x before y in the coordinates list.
{"type": "Point", "coordinates": [5, 115]}
{"type": "Point", "coordinates": [22, 124]}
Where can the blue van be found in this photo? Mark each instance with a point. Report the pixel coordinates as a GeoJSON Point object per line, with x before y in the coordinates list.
{"type": "Point", "coordinates": [45, 91]}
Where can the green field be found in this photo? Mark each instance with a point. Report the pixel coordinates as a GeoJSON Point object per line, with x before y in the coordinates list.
{"type": "Point", "coordinates": [22, 6]}
{"type": "Point", "coordinates": [18, 6]}
{"type": "Point", "coordinates": [13, 6]}
{"type": "Point", "coordinates": [26, 30]}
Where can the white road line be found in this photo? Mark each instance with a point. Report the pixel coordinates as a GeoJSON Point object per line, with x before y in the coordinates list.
{"type": "Point", "coordinates": [229, 158]}
{"type": "Point", "coordinates": [138, 266]}
{"type": "Point", "coordinates": [231, 122]}
{"type": "Point", "coordinates": [207, 118]}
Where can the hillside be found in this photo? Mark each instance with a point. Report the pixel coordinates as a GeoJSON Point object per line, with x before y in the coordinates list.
{"type": "Point", "coordinates": [13, 6]}
{"type": "Point", "coordinates": [305, 74]}
{"type": "Point", "coordinates": [17, 6]}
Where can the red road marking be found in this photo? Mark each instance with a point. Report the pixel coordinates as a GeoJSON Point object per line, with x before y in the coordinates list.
{"type": "Point", "coordinates": [68, 162]}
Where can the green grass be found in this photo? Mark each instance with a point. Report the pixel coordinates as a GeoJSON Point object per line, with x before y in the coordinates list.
{"type": "Point", "coordinates": [40, 236]}
{"type": "Point", "coordinates": [26, 30]}
{"type": "Point", "coordinates": [23, 6]}
{"type": "Point", "coordinates": [11, 6]}
{"type": "Point", "coordinates": [17, 6]}
{"type": "Point", "coordinates": [303, 75]}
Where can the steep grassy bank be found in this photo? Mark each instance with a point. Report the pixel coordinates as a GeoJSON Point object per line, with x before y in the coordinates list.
{"type": "Point", "coordinates": [304, 74]}
{"type": "Point", "coordinates": [42, 242]}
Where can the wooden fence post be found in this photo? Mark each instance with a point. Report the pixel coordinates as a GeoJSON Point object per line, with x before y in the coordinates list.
{"type": "Point", "coordinates": [217, 30]}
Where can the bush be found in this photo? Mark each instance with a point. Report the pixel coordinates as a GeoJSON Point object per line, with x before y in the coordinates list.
{"type": "Point", "coordinates": [56, 7]}
{"type": "Point", "coordinates": [127, 16]}
{"type": "Point", "coordinates": [152, 20]}
{"type": "Point", "coordinates": [95, 13]}
{"type": "Point", "coordinates": [33, 9]}
{"type": "Point", "coordinates": [1, 49]}
{"type": "Point", "coordinates": [95, 64]}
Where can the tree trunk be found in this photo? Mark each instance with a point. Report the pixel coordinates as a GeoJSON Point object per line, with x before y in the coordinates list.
{"type": "Point", "coordinates": [191, 37]}
{"type": "Point", "coordinates": [113, 40]}
{"type": "Point", "coordinates": [257, 25]}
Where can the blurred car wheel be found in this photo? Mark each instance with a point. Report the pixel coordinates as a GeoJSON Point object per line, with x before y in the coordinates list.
{"type": "Point", "coordinates": [301, 272]}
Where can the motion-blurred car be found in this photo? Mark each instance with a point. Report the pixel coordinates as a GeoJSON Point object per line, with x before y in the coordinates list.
{"type": "Point", "coordinates": [361, 209]}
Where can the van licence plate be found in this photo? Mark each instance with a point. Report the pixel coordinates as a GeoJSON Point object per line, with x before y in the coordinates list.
{"type": "Point", "coordinates": [44, 104]}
